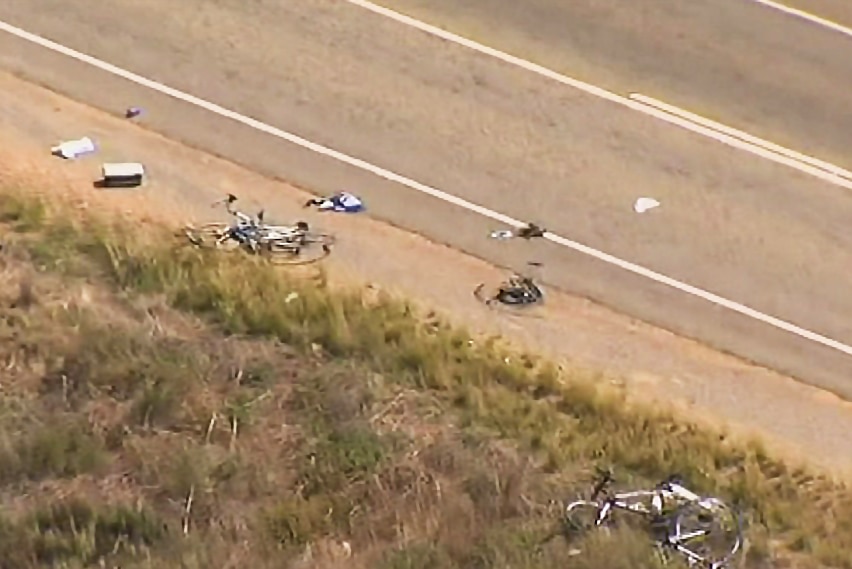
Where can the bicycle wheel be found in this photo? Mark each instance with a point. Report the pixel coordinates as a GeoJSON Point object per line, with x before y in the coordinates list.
{"type": "Point", "coordinates": [213, 235]}
{"type": "Point", "coordinates": [214, 227]}
{"type": "Point", "coordinates": [707, 533]}
{"type": "Point", "coordinates": [497, 296]}
{"type": "Point", "coordinates": [281, 252]}
{"type": "Point", "coordinates": [319, 239]}
{"type": "Point", "coordinates": [519, 297]}
{"type": "Point", "coordinates": [581, 516]}
{"type": "Point", "coordinates": [488, 295]}
{"type": "Point", "coordinates": [481, 295]}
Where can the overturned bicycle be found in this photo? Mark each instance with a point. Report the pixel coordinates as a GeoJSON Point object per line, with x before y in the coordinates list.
{"type": "Point", "coordinates": [517, 291]}
{"type": "Point", "coordinates": [282, 244]}
{"type": "Point", "coordinates": [703, 531]}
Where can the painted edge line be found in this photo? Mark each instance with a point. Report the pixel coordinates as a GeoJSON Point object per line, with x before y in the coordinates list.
{"type": "Point", "coordinates": [807, 16]}
{"type": "Point", "coordinates": [649, 110]}
{"type": "Point", "coordinates": [744, 136]}
{"type": "Point", "coordinates": [423, 188]}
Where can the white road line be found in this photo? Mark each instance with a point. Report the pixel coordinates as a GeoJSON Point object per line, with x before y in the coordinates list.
{"type": "Point", "coordinates": [758, 150]}
{"type": "Point", "coordinates": [423, 188]}
{"type": "Point", "coordinates": [698, 119]}
{"type": "Point", "coordinates": [813, 18]}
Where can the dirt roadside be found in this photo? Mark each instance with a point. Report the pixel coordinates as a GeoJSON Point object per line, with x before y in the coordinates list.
{"type": "Point", "coordinates": [803, 421]}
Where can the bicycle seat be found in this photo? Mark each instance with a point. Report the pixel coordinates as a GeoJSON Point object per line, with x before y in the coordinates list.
{"type": "Point", "coordinates": [672, 479]}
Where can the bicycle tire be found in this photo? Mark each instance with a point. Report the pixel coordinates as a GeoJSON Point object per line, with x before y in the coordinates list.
{"type": "Point", "coordinates": [492, 297]}
{"type": "Point", "coordinates": [581, 517]}
{"type": "Point", "coordinates": [478, 294]}
{"type": "Point", "coordinates": [195, 236]}
{"type": "Point", "coordinates": [209, 235]}
{"type": "Point", "coordinates": [481, 294]}
{"type": "Point", "coordinates": [321, 239]}
{"type": "Point", "coordinates": [536, 301]}
{"type": "Point", "coordinates": [723, 538]}
{"type": "Point", "coordinates": [500, 297]}
{"type": "Point", "coordinates": [214, 227]}
{"type": "Point", "coordinates": [288, 253]}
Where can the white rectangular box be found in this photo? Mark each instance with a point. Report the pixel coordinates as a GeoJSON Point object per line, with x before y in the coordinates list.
{"type": "Point", "coordinates": [122, 174]}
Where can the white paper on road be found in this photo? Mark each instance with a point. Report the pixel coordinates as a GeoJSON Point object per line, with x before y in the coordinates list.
{"type": "Point", "coordinates": [644, 204]}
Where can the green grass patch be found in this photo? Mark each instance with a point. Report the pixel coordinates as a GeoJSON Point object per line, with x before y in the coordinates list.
{"type": "Point", "coordinates": [59, 448]}
{"type": "Point", "coordinates": [76, 533]}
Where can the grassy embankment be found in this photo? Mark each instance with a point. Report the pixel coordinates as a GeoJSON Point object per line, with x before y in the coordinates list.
{"type": "Point", "coordinates": [140, 376]}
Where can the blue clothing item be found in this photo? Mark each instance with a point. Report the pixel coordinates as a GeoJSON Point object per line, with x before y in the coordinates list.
{"type": "Point", "coordinates": [343, 202]}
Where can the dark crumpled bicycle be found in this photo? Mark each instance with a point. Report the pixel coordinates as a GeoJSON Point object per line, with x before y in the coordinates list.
{"type": "Point", "coordinates": [517, 291]}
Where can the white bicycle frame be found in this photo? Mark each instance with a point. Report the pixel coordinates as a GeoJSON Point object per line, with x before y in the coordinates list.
{"type": "Point", "coordinates": [267, 232]}
{"type": "Point", "coordinates": [625, 501]}
{"type": "Point", "coordinates": [244, 219]}
{"type": "Point", "coordinates": [638, 502]}
{"type": "Point", "coordinates": [281, 232]}
{"type": "Point", "coordinates": [260, 232]}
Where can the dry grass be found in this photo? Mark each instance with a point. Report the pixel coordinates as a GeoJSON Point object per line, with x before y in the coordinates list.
{"type": "Point", "coordinates": [327, 431]}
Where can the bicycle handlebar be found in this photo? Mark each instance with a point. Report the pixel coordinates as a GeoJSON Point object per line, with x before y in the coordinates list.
{"type": "Point", "coordinates": [604, 478]}
{"type": "Point", "coordinates": [244, 218]}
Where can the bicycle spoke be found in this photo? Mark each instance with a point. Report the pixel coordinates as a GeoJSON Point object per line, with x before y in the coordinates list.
{"type": "Point", "coordinates": [707, 531]}
{"type": "Point", "coordinates": [704, 532]}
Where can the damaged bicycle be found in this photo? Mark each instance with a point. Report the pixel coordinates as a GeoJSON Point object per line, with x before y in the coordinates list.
{"type": "Point", "coordinates": [519, 290]}
{"type": "Point", "coordinates": [282, 244]}
{"type": "Point", "coordinates": [704, 531]}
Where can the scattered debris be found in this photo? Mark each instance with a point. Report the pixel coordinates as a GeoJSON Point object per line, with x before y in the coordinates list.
{"type": "Point", "coordinates": [132, 112]}
{"type": "Point", "coordinates": [529, 231]}
{"type": "Point", "coordinates": [122, 175]}
{"type": "Point", "coordinates": [71, 149]}
{"type": "Point", "coordinates": [187, 510]}
{"type": "Point", "coordinates": [518, 290]}
{"type": "Point", "coordinates": [210, 425]}
{"type": "Point", "coordinates": [342, 202]}
{"type": "Point", "coordinates": [502, 234]}
{"type": "Point", "coordinates": [644, 204]}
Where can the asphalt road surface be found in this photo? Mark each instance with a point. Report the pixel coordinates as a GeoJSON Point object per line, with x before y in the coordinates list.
{"type": "Point", "coordinates": [742, 227]}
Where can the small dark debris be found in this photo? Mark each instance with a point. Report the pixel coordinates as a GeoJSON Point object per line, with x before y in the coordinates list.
{"type": "Point", "coordinates": [531, 230]}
